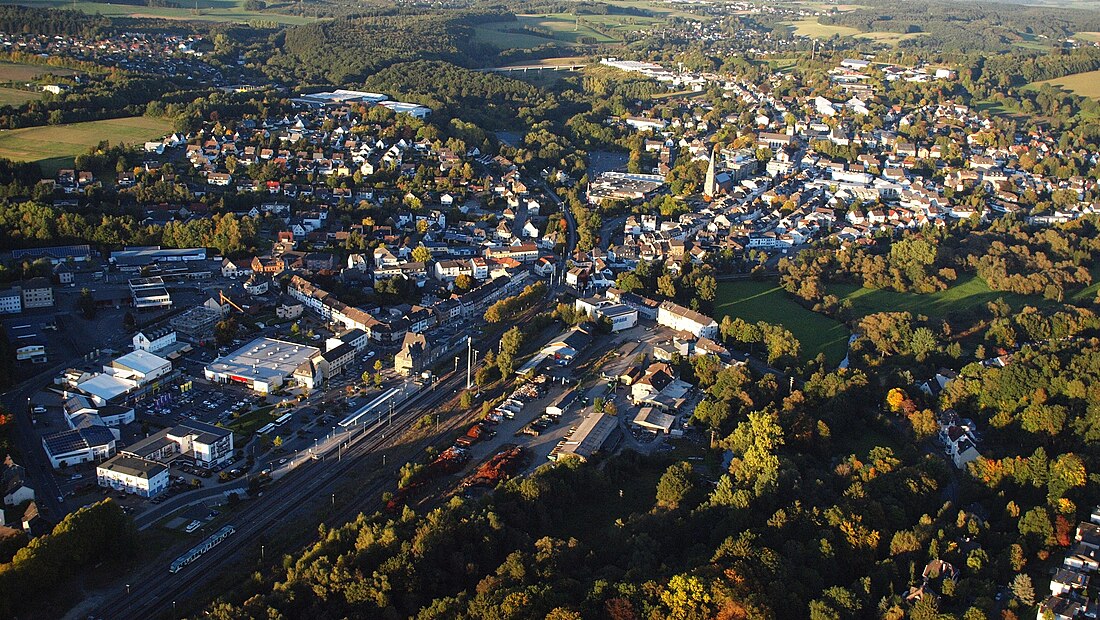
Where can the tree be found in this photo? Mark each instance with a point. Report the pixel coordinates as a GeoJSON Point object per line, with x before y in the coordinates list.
{"type": "Point", "coordinates": [1023, 589]}
{"type": "Point", "coordinates": [675, 485]}
{"type": "Point", "coordinates": [378, 366]}
{"type": "Point", "coordinates": [366, 376]}
{"type": "Point", "coordinates": [666, 287]}
{"type": "Point", "coordinates": [466, 399]}
{"type": "Point", "coordinates": [464, 282]}
{"type": "Point", "coordinates": [421, 254]}
{"type": "Point", "coordinates": [86, 304]}
{"type": "Point", "coordinates": [754, 443]}
{"type": "Point", "coordinates": [511, 341]}
{"type": "Point", "coordinates": [128, 321]}
{"type": "Point", "coordinates": [278, 441]}
{"type": "Point", "coordinates": [225, 331]}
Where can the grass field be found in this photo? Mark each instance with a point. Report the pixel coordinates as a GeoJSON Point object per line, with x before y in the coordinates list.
{"type": "Point", "coordinates": [16, 97]}
{"type": "Point", "coordinates": [968, 293]}
{"type": "Point", "coordinates": [249, 422]}
{"type": "Point", "coordinates": [1087, 36]}
{"type": "Point", "coordinates": [564, 28]}
{"type": "Point", "coordinates": [55, 146]}
{"type": "Point", "coordinates": [208, 11]}
{"type": "Point", "coordinates": [812, 28]}
{"type": "Point", "coordinates": [766, 301]}
{"type": "Point", "coordinates": [18, 72]}
{"type": "Point", "coordinates": [1083, 84]}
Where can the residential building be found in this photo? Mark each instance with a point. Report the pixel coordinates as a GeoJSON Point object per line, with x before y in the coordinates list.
{"type": "Point", "coordinates": [338, 358]}
{"type": "Point", "coordinates": [153, 340]}
{"type": "Point", "coordinates": [13, 483]}
{"type": "Point", "coordinates": [11, 300]}
{"type": "Point", "coordinates": [684, 319]}
{"type": "Point", "coordinates": [134, 475]}
{"type": "Point", "coordinates": [207, 444]}
{"type": "Point", "coordinates": [37, 293]}
{"type": "Point", "coordinates": [416, 354]}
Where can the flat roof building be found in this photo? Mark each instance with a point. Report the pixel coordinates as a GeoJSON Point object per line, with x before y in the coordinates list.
{"type": "Point", "coordinates": [149, 293]}
{"type": "Point", "coordinates": [595, 433]}
{"type": "Point", "coordinates": [139, 366]}
{"type": "Point", "coordinates": [264, 365]}
{"type": "Point", "coordinates": [82, 445]}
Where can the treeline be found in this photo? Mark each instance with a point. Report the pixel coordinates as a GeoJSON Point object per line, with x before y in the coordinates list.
{"type": "Point", "coordinates": [582, 7]}
{"type": "Point", "coordinates": [509, 308]}
{"type": "Point", "coordinates": [973, 26]}
{"type": "Point", "coordinates": [488, 100]}
{"type": "Point", "coordinates": [20, 19]}
{"type": "Point", "coordinates": [1008, 255]}
{"type": "Point", "coordinates": [31, 224]}
{"type": "Point", "coordinates": [349, 49]}
{"type": "Point", "coordinates": [82, 539]}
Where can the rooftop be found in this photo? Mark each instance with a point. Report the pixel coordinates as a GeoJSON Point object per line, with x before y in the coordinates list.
{"type": "Point", "coordinates": [264, 359]}
{"type": "Point", "coordinates": [133, 466]}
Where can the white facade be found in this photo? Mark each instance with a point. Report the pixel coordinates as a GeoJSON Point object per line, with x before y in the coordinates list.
{"type": "Point", "coordinates": [683, 319]}
{"type": "Point", "coordinates": [140, 366]}
{"type": "Point", "coordinates": [133, 475]}
{"type": "Point", "coordinates": [153, 342]}
{"type": "Point", "coordinates": [11, 301]}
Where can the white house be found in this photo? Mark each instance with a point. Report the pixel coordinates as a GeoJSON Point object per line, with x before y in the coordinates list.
{"type": "Point", "coordinates": [155, 340]}
{"type": "Point", "coordinates": [13, 483]}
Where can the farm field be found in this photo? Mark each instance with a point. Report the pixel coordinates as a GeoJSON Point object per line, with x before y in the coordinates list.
{"type": "Point", "coordinates": [16, 97]}
{"type": "Point", "coordinates": [767, 301]}
{"type": "Point", "coordinates": [18, 72]}
{"type": "Point", "coordinates": [209, 11]}
{"type": "Point", "coordinates": [564, 29]}
{"type": "Point", "coordinates": [1084, 84]}
{"type": "Point", "coordinates": [54, 146]}
{"type": "Point", "coordinates": [1088, 36]}
{"type": "Point", "coordinates": [812, 28]}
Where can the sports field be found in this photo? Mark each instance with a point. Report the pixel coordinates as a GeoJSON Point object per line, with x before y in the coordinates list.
{"type": "Point", "coordinates": [55, 146]}
{"type": "Point", "coordinates": [1084, 84]}
{"type": "Point", "coordinates": [766, 301]}
{"type": "Point", "coordinates": [207, 11]}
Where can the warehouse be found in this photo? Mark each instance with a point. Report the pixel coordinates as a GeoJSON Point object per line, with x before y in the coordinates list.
{"type": "Point", "coordinates": [596, 433]}
{"type": "Point", "coordinates": [149, 293]}
{"type": "Point", "coordinates": [264, 365]}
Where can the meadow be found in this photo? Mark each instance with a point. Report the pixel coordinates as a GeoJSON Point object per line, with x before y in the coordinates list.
{"type": "Point", "coordinates": [812, 28]}
{"type": "Point", "coordinates": [1084, 84]}
{"type": "Point", "coordinates": [54, 146]}
{"type": "Point", "coordinates": [17, 97]}
{"type": "Point", "coordinates": [767, 301]}
{"type": "Point", "coordinates": [19, 72]}
{"type": "Point", "coordinates": [231, 11]}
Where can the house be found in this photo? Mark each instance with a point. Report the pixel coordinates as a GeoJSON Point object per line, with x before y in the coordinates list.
{"type": "Point", "coordinates": [289, 311]}
{"type": "Point", "coordinates": [1068, 582]}
{"type": "Point", "coordinates": [13, 483]}
{"type": "Point", "coordinates": [11, 300]}
{"type": "Point", "coordinates": [415, 355]}
{"type": "Point", "coordinates": [235, 269]}
{"type": "Point", "coordinates": [131, 474]}
{"type": "Point", "coordinates": [154, 340]}
{"type": "Point", "coordinates": [1058, 608]}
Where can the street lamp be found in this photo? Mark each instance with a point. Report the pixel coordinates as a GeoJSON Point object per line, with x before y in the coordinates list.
{"type": "Point", "coordinates": [127, 589]}
{"type": "Point", "coordinates": [261, 553]}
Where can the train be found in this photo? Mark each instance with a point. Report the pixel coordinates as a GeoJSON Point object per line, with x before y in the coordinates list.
{"type": "Point", "coordinates": [196, 551]}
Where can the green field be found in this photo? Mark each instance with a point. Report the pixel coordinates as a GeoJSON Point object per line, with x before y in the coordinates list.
{"type": "Point", "coordinates": [1083, 84]}
{"type": "Point", "coordinates": [968, 293]}
{"type": "Point", "coordinates": [766, 301]}
{"type": "Point", "coordinates": [1087, 36]}
{"type": "Point", "coordinates": [16, 97]}
{"type": "Point", "coordinates": [564, 29]}
{"type": "Point", "coordinates": [208, 11]}
{"type": "Point", "coordinates": [253, 420]}
{"type": "Point", "coordinates": [55, 146]}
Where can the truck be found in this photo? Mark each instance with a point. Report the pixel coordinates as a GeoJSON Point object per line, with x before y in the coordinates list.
{"type": "Point", "coordinates": [476, 433]}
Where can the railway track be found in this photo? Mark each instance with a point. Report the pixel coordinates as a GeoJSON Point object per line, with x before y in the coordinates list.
{"type": "Point", "coordinates": [154, 592]}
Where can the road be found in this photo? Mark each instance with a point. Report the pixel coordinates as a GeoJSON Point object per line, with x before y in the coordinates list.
{"type": "Point", "coordinates": [571, 237]}
{"type": "Point", "coordinates": [151, 591]}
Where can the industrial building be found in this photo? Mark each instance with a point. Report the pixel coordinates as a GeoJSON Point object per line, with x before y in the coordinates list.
{"type": "Point", "coordinates": [624, 186]}
{"type": "Point", "coordinates": [265, 365]}
{"type": "Point", "coordinates": [621, 316]}
{"type": "Point", "coordinates": [596, 433]}
{"type": "Point", "coordinates": [82, 445]}
{"type": "Point", "coordinates": [132, 259]}
{"type": "Point", "coordinates": [149, 293]}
